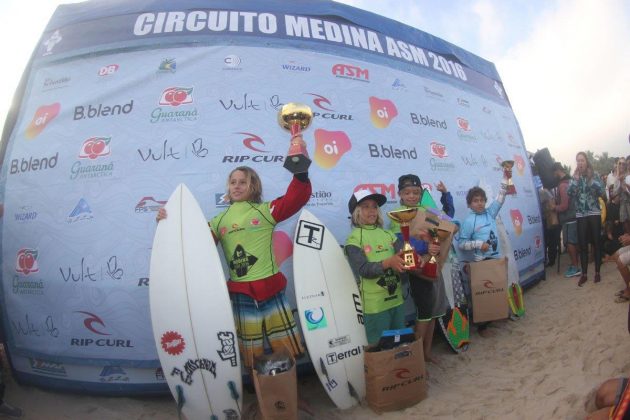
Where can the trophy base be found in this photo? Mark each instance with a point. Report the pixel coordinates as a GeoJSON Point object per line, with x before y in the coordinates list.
{"type": "Point", "coordinates": [297, 164]}
{"type": "Point", "coordinates": [430, 269]}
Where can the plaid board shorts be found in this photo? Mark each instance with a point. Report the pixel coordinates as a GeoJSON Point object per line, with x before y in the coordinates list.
{"type": "Point", "coordinates": [269, 320]}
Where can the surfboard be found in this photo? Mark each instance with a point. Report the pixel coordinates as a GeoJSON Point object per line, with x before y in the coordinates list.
{"type": "Point", "coordinates": [330, 311]}
{"type": "Point", "coordinates": [191, 316]}
{"type": "Point", "coordinates": [515, 292]}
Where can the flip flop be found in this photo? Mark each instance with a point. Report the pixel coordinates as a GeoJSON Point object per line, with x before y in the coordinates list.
{"type": "Point", "coordinates": [622, 299]}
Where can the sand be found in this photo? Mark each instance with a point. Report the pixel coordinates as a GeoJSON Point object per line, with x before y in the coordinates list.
{"type": "Point", "coordinates": [543, 366]}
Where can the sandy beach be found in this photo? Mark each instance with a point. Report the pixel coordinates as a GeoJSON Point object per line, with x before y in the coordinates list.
{"type": "Point", "coordinates": [543, 366]}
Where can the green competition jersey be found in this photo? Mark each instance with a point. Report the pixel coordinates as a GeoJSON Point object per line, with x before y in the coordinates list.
{"type": "Point", "coordinates": [384, 292]}
{"type": "Point", "coordinates": [245, 231]}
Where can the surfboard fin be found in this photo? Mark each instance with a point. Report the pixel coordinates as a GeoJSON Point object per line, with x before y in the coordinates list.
{"type": "Point", "coordinates": [180, 399]}
{"type": "Point", "coordinates": [353, 393]}
{"type": "Point", "coordinates": [235, 394]}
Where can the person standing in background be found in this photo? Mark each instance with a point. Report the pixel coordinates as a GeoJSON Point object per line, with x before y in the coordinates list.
{"type": "Point", "coordinates": [586, 187]}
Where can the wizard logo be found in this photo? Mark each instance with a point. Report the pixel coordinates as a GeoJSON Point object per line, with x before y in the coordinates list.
{"type": "Point", "coordinates": [241, 261]}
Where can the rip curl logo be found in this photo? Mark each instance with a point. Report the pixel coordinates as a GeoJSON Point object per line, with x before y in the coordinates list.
{"type": "Point", "coordinates": [322, 102]}
{"type": "Point", "coordinates": [241, 261]}
{"type": "Point", "coordinates": [253, 142]}
{"type": "Point", "coordinates": [193, 365]}
{"type": "Point", "coordinates": [228, 350]}
{"type": "Point", "coordinates": [488, 284]}
{"type": "Point", "coordinates": [172, 343]}
{"type": "Point", "coordinates": [91, 320]}
{"type": "Point", "coordinates": [402, 373]}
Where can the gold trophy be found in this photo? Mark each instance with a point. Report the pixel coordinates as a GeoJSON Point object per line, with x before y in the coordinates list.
{"type": "Point", "coordinates": [296, 117]}
{"type": "Point", "coordinates": [404, 217]}
{"type": "Point", "coordinates": [507, 173]}
{"type": "Point", "coordinates": [430, 268]}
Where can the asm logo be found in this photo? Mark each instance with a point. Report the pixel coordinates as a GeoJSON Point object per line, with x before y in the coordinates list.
{"type": "Point", "coordinates": [488, 284]}
{"type": "Point", "coordinates": [321, 102]}
{"type": "Point", "coordinates": [90, 320]}
{"type": "Point", "coordinates": [350, 72]}
{"type": "Point", "coordinates": [388, 190]}
{"type": "Point", "coordinates": [402, 373]}
{"type": "Point", "coordinates": [251, 140]}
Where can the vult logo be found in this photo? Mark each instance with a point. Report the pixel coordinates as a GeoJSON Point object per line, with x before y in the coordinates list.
{"type": "Point", "coordinates": [176, 96]}
{"type": "Point", "coordinates": [26, 261]}
{"type": "Point", "coordinates": [330, 146]}
{"type": "Point", "coordinates": [383, 111]}
{"type": "Point", "coordinates": [43, 116]}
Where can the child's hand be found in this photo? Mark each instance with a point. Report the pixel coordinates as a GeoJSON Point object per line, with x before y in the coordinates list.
{"type": "Point", "coordinates": [161, 214]}
{"type": "Point", "coordinates": [434, 249]}
{"type": "Point", "coordinates": [485, 246]}
{"type": "Point", "coordinates": [395, 262]}
{"type": "Point", "coordinates": [441, 187]}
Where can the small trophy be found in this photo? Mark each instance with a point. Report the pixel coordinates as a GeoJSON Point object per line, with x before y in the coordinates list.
{"type": "Point", "coordinates": [404, 217]}
{"type": "Point", "coordinates": [507, 173]}
{"type": "Point", "coordinates": [430, 268]}
{"type": "Point", "coordinates": [295, 117]}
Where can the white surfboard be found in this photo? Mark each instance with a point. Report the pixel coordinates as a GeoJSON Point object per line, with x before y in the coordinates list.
{"type": "Point", "coordinates": [330, 311]}
{"type": "Point", "coordinates": [191, 314]}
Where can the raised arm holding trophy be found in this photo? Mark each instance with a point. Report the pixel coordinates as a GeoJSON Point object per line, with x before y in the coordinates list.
{"type": "Point", "coordinates": [296, 117]}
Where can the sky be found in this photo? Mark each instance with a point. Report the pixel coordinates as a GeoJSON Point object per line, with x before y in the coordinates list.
{"type": "Point", "coordinates": [565, 64]}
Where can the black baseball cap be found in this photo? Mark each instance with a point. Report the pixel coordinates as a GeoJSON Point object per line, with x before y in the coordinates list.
{"type": "Point", "coordinates": [361, 195]}
{"type": "Point", "coordinates": [409, 180]}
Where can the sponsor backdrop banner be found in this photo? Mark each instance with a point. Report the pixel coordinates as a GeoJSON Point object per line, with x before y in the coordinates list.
{"type": "Point", "coordinates": [121, 105]}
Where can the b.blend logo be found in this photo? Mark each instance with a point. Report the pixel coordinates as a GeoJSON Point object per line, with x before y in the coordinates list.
{"type": "Point", "coordinates": [382, 112]}
{"type": "Point", "coordinates": [33, 164]}
{"type": "Point", "coordinates": [82, 112]}
{"type": "Point", "coordinates": [330, 146]}
{"type": "Point", "coordinates": [427, 121]}
{"type": "Point", "coordinates": [43, 116]}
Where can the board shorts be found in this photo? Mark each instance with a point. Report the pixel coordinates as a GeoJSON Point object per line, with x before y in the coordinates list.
{"type": "Point", "coordinates": [269, 320]}
{"type": "Point", "coordinates": [569, 233]}
{"type": "Point", "coordinates": [624, 255]}
{"type": "Point", "coordinates": [390, 319]}
{"type": "Point", "coordinates": [621, 409]}
{"type": "Point", "coordinates": [429, 297]}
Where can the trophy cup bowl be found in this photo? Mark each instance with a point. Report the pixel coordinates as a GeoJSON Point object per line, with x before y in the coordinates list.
{"type": "Point", "coordinates": [404, 218]}
{"type": "Point", "coordinates": [507, 172]}
{"type": "Point", "coordinates": [296, 117]}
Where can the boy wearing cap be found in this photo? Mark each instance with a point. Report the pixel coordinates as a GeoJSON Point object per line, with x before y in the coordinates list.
{"type": "Point", "coordinates": [372, 254]}
{"type": "Point", "coordinates": [429, 296]}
